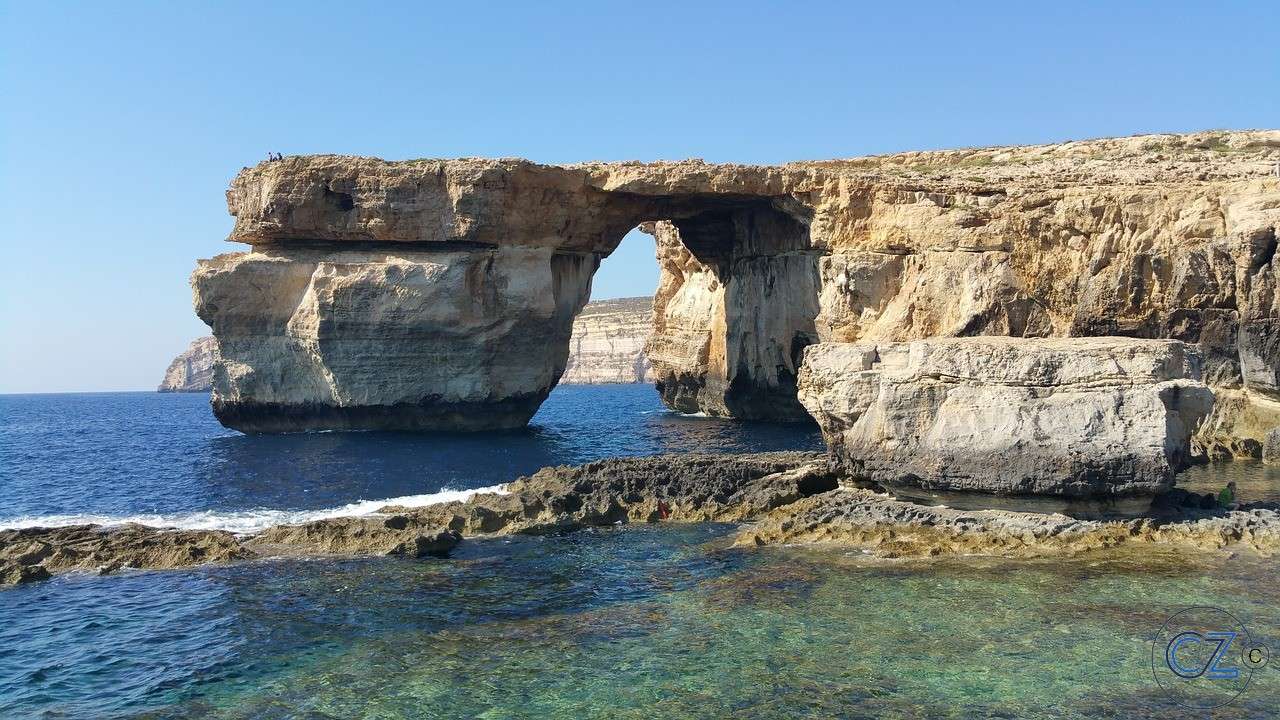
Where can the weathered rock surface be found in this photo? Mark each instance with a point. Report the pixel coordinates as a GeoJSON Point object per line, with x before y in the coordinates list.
{"type": "Point", "coordinates": [1271, 450]}
{"type": "Point", "coordinates": [440, 293]}
{"type": "Point", "coordinates": [605, 346]}
{"type": "Point", "coordinates": [892, 528]}
{"type": "Point", "coordinates": [36, 553]}
{"type": "Point", "coordinates": [666, 487]}
{"type": "Point", "coordinates": [192, 371]}
{"type": "Point", "coordinates": [1066, 417]}
{"type": "Point", "coordinates": [794, 497]}
{"type": "Point", "coordinates": [607, 342]}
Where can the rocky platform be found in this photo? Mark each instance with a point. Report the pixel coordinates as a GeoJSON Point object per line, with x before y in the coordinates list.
{"type": "Point", "coordinates": [788, 498]}
{"type": "Point", "coordinates": [888, 527]}
{"type": "Point", "coordinates": [441, 293]}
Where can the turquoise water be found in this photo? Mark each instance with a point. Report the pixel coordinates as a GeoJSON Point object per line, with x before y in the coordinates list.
{"type": "Point", "coordinates": [633, 622]}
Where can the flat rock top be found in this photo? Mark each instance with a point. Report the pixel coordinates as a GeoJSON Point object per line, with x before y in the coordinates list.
{"type": "Point", "coordinates": [1208, 155]}
{"type": "Point", "coordinates": [583, 206]}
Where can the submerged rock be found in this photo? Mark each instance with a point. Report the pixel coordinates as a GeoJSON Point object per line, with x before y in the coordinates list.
{"type": "Point", "coordinates": [1075, 418]}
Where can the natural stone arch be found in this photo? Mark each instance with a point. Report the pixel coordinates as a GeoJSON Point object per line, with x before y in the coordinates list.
{"type": "Point", "coordinates": [440, 294]}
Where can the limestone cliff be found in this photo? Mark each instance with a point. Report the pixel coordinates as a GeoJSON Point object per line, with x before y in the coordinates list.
{"type": "Point", "coordinates": [605, 346]}
{"type": "Point", "coordinates": [607, 342]}
{"type": "Point", "coordinates": [440, 293]}
{"type": "Point", "coordinates": [192, 371]}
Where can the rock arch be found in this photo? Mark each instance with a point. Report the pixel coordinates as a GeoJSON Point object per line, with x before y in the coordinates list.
{"type": "Point", "coordinates": [439, 294]}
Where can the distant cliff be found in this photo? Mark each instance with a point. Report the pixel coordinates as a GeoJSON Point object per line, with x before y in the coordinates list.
{"type": "Point", "coordinates": [607, 346]}
{"type": "Point", "coordinates": [192, 371]}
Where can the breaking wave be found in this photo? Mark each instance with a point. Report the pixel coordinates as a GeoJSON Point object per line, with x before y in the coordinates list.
{"type": "Point", "coordinates": [244, 521]}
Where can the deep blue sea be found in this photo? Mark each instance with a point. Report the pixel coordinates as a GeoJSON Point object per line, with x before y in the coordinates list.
{"type": "Point", "coordinates": [633, 622]}
{"type": "Point", "coordinates": [163, 457]}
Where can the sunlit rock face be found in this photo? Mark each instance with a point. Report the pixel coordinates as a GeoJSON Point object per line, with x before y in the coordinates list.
{"type": "Point", "coordinates": [1072, 417]}
{"type": "Point", "coordinates": [192, 371]}
{"type": "Point", "coordinates": [607, 343]}
{"type": "Point", "coordinates": [1169, 236]}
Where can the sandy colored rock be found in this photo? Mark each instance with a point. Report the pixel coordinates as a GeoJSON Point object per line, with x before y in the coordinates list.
{"type": "Point", "coordinates": [607, 342]}
{"type": "Point", "coordinates": [440, 293]}
{"type": "Point", "coordinates": [1073, 418]}
{"type": "Point", "coordinates": [891, 528]}
{"type": "Point", "coordinates": [43, 551]}
{"type": "Point", "coordinates": [192, 371]}
{"type": "Point", "coordinates": [391, 535]}
{"type": "Point", "coordinates": [606, 346]}
{"type": "Point", "coordinates": [1271, 450]}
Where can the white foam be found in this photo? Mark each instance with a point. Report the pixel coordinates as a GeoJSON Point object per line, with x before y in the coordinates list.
{"type": "Point", "coordinates": [245, 521]}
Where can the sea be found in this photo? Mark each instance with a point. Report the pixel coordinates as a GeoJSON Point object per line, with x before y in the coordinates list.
{"type": "Point", "coordinates": [649, 621]}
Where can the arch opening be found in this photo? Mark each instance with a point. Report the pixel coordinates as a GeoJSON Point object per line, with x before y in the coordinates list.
{"type": "Point", "coordinates": [735, 304]}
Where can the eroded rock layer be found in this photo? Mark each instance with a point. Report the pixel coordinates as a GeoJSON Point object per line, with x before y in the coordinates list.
{"type": "Point", "coordinates": [789, 496]}
{"type": "Point", "coordinates": [192, 371]}
{"type": "Point", "coordinates": [1073, 418]}
{"type": "Point", "coordinates": [412, 294]}
{"type": "Point", "coordinates": [606, 345]}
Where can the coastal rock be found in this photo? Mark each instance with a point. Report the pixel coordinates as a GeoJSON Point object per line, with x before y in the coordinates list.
{"type": "Point", "coordinates": [719, 488]}
{"type": "Point", "coordinates": [607, 342]}
{"type": "Point", "coordinates": [1271, 451]}
{"type": "Point", "coordinates": [38, 552]}
{"type": "Point", "coordinates": [192, 371]}
{"type": "Point", "coordinates": [440, 293]}
{"type": "Point", "coordinates": [314, 339]}
{"type": "Point", "coordinates": [394, 535]}
{"type": "Point", "coordinates": [606, 345]}
{"type": "Point", "coordinates": [891, 528]}
{"type": "Point", "coordinates": [1078, 418]}
{"type": "Point", "coordinates": [606, 492]}
{"type": "Point", "coordinates": [790, 496]}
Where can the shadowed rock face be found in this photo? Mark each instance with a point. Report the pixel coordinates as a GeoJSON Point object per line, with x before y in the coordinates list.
{"type": "Point", "coordinates": [409, 294]}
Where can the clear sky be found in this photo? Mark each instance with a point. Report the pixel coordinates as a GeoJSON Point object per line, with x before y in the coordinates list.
{"type": "Point", "coordinates": [122, 122]}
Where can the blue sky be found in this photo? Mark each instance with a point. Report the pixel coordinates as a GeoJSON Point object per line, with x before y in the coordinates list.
{"type": "Point", "coordinates": [121, 123]}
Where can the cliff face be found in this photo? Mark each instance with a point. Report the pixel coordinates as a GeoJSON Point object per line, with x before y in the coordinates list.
{"type": "Point", "coordinates": [606, 346]}
{"type": "Point", "coordinates": [192, 371]}
{"type": "Point", "coordinates": [1073, 418]}
{"type": "Point", "coordinates": [607, 342]}
{"type": "Point", "coordinates": [441, 293]}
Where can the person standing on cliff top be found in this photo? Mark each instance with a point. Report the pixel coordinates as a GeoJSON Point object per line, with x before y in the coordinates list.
{"type": "Point", "coordinates": [1227, 498]}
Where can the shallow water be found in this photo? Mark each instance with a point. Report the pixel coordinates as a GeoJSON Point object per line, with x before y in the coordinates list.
{"type": "Point", "coordinates": [633, 622]}
{"type": "Point", "coordinates": [641, 621]}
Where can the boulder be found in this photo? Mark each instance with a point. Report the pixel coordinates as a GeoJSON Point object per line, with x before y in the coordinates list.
{"type": "Point", "coordinates": [1271, 450]}
{"type": "Point", "coordinates": [1071, 418]}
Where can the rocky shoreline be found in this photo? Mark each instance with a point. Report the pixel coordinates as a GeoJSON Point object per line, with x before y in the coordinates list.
{"type": "Point", "coordinates": [780, 498]}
